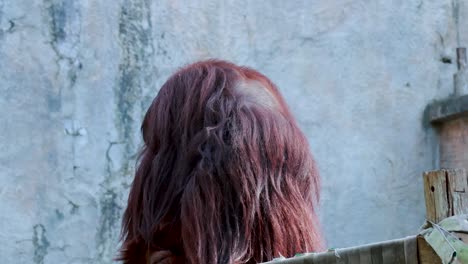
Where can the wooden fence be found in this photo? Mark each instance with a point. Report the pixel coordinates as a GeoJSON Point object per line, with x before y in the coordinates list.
{"type": "Point", "coordinates": [444, 238]}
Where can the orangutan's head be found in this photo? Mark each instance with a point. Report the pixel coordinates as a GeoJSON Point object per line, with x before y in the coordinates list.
{"type": "Point", "coordinates": [225, 174]}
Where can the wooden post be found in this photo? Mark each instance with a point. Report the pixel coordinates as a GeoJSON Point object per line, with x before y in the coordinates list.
{"type": "Point", "coordinates": [446, 193]}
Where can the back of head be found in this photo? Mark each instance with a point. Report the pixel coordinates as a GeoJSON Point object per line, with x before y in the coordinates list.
{"type": "Point", "coordinates": [225, 175]}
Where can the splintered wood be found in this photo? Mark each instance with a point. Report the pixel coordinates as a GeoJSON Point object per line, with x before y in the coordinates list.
{"type": "Point", "coordinates": [446, 193]}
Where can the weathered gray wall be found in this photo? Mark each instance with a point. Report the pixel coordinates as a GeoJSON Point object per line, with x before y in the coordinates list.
{"type": "Point", "coordinates": [76, 77]}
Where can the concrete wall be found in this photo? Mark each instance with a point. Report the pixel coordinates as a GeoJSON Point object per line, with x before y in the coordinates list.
{"type": "Point", "coordinates": [77, 76]}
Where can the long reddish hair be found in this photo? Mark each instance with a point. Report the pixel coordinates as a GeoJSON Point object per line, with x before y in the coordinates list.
{"type": "Point", "coordinates": [225, 174]}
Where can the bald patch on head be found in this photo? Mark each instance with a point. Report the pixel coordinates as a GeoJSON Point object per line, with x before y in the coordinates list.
{"type": "Point", "coordinates": [255, 92]}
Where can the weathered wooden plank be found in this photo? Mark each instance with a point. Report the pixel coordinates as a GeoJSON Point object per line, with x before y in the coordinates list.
{"type": "Point", "coordinates": [454, 143]}
{"type": "Point", "coordinates": [435, 194]}
{"type": "Point", "coordinates": [457, 181]}
{"type": "Point", "coordinates": [446, 193]}
{"type": "Point", "coordinates": [426, 254]}
{"type": "Point", "coordinates": [396, 251]}
{"type": "Point", "coordinates": [449, 109]}
{"type": "Point", "coordinates": [462, 236]}
{"type": "Point", "coordinates": [411, 250]}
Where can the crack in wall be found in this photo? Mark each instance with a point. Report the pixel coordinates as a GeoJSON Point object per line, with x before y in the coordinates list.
{"type": "Point", "coordinates": [109, 161]}
{"type": "Point", "coordinates": [135, 33]}
{"type": "Point", "coordinates": [64, 26]}
{"type": "Point", "coordinates": [64, 20]}
{"type": "Point", "coordinates": [2, 33]}
{"type": "Point", "coordinates": [74, 207]}
{"type": "Point", "coordinates": [456, 17]}
{"type": "Point", "coordinates": [137, 51]}
{"type": "Point", "coordinates": [40, 243]}
{"type": "Point", "coordinates": [110, 219]}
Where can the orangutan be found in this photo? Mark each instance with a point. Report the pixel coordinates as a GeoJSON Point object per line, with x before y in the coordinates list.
{"type": "Point", "coordinates": [225, 174]}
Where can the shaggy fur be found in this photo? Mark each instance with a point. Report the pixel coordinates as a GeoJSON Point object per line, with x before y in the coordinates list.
{"type": "Point", "coordinates": [225, 174]}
